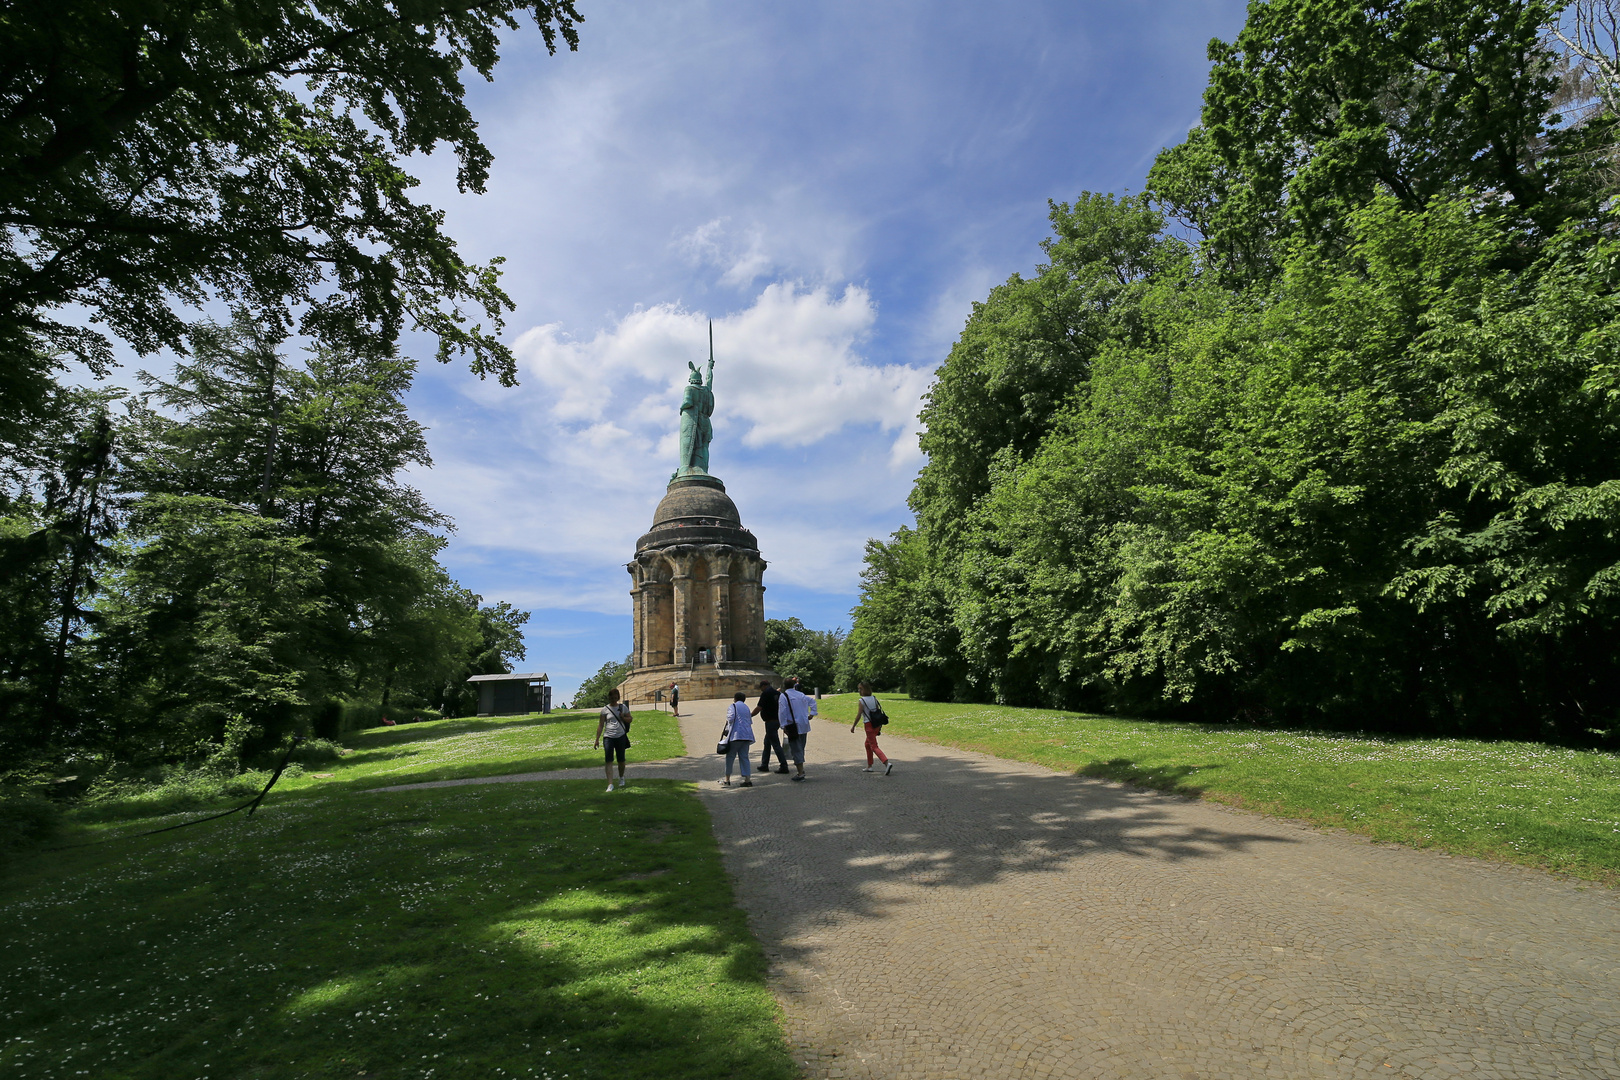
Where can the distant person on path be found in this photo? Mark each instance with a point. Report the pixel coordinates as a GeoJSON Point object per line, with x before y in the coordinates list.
{"type": "Point", "coordinates": [793, 710]}
{"type": "Point", "coordinates": [613, 735]}
{"type": "Point", "coordinates": [765, 709]}
{"type": "Point", "coordinates": [866, 708]}
{"type": "Point", "coordinates": [675, 698]}
{"type": "Point", "coordinates": [739, 738]}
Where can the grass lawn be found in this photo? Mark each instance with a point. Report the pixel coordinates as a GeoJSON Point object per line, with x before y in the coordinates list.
{"type": "Point", "coordinates": [452, 749]}
{"type": "Point", "coordinates": [435, 750]}
{"type": "Point", "coordinates": [1516, 801]}
{"type": "Point", "coordinates": [544, 930]}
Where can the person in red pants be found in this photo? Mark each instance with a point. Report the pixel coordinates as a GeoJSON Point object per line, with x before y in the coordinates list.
{"type": "Point", "coordinates": [869, 712]}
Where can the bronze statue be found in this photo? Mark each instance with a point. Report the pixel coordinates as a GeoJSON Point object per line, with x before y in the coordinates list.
{"type": "Point", "coordinates": [696, 407]}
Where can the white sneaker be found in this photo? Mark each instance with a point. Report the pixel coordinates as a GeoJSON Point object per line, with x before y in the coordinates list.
{"type": "Point", "coordinates": [610, 787]}
{"type": "Point", "coordinates": [623, 782]}
{"type": "Point", "coordinates": [867, 769]}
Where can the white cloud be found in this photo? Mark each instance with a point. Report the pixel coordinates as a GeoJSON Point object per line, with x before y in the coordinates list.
{"type": "Point", "coordinates": [741, 258]}
{"type": "Point", "coordinates": [788, 372]}
{"type": "Point", "coordinates": [588, 441]}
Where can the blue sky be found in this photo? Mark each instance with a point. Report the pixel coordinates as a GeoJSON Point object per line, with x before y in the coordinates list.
{"type": "Point", "coordinates": [834, 184]}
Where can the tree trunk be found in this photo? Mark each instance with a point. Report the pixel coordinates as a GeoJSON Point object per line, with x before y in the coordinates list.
{"type": "Point", "coordinates": [81, 540]}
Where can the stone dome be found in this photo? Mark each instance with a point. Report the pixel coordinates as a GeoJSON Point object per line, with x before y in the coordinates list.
{"type": "Point", "coordinates": [697, 510]}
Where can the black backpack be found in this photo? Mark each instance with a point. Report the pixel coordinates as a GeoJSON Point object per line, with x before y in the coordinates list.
{"type": "Point", "coordinates": [876, 716]}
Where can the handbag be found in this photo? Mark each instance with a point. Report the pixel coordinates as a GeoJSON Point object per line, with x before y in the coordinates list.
{"type": "Point", "coordinates": [791, 728]}
{"type": "Point", "coordinates": [622, 711]}
{"type": "Point", "coordinates": [720, 747]}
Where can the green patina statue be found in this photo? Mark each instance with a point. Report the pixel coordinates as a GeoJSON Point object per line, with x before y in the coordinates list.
{"type": "Point", "coordinates": [696, 408]}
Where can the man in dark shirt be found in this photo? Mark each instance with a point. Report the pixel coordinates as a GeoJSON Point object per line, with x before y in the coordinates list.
{"type": "Point", "coordinates": [765, 709]}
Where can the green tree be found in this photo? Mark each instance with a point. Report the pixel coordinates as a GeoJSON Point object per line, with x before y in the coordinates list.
{"type": "Point", "coordinates": [1319, 106]}
{"type": "Point", "coordinates": [158, 155]}
{"type": "Point", "coordinates": [1028, 347]}
{"type": "Point", "coordinates": [1347, 460]}
{"type": "Point", "coordinates": [498, 647]}
{"type": "Point", "coordinates": [782, 636]}
{"type": "Point", "coordinates": [317, 448]}
{"type": "Point", "coordinates": [792, 648]}
{"type": "Point", "coordinates": [417, 633]}
{"type": "Point", "coordinates": [321, 447]}
{"type": "Point", "coordinates": [903, 636]}
{"type": "Point", "coordinates": [847, 666]}
{"type": "Point", "coordinates": [500, 628]}
{"type": "Point", "coordinates": [1024, 357]}
{"type": "Point", "coordinates": [593, 692]}
{"type": "Point", "coordinates": [1373, 489]}
{"type": "Point", "coordinates": [58, 514]}
{"type": "Point", "coordinates": [203, 622]}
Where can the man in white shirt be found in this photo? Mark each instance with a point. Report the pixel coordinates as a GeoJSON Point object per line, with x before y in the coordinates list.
{"type": "Point", "coordinates": [794, 709]}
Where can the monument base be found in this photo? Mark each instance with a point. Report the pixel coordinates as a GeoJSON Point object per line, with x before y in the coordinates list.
{"type": "Point", "coordinates": [697, 681]}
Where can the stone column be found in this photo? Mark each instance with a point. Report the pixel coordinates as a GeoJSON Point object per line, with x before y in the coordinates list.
{"type": "Point", "coordinates": [749, 628]}
{"type": "Point", "coordinates": [638, 614]}
{"type": "Point", "coordinates": [647, 610]}
{"type": "Point", "coordinates": [657, 617]}
{"type": "Point", "coordinates": [720, 586]}
{"type": "Point", "coordinates": [682, 581]}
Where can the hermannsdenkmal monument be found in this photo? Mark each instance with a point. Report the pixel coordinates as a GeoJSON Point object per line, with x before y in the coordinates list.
{"type": "Point", "coordinates": [697, 580]}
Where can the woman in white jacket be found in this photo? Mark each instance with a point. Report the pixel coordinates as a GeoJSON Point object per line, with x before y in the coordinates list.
{"type": "Point", "coordinates": [739, 739]}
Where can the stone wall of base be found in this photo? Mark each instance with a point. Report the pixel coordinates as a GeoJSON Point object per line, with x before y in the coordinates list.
{"type": "Point", "coordinates": [697, 681]}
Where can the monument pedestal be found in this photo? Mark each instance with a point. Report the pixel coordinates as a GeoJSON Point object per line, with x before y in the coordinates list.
{"type": "Point", "coordinates": [698, 598]}
{"type": "Point", "coordinates": [697, 681]}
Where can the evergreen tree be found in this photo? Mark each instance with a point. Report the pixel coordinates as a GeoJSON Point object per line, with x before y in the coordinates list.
{"type": "Point", "coordinates": [58, 515]}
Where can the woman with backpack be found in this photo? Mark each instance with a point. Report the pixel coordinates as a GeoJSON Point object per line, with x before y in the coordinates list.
{"type": "Point", "coordinates": [868, 711]}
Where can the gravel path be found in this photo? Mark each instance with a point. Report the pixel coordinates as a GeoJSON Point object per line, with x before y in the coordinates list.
{"type": "Point", "coordinates": [970, 916]}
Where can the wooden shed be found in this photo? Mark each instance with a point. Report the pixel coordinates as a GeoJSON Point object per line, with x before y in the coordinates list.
{"type": "Point", "coordinates": [512, 695]}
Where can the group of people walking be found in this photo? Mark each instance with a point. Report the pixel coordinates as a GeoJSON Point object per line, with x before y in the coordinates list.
{"type": "Point", "coordinates": [786, 714]}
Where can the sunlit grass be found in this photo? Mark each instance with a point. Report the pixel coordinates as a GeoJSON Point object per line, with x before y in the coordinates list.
{"type": "Point", "coordinates": [1517, 801]}
{"type": "Point", "coordinates": [491, 746]}
{"type": "Point", "coordinates": [544, 930]}
{"type": "Point", "coordinates": [413, 753]}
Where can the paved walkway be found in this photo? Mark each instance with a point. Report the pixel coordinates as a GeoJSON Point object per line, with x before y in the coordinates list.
{"type": "Point", "coordinates": [974, 917]}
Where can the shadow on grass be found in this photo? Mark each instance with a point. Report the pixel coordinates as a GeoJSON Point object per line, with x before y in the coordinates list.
{"type": "Point", "coordinates": [427, 731]}
{"type": "Point", "coordinates": [387, 757]}
{"type": "Point", "coordinates": [1171, 778]}
{"type": "Point", "coordinates": [536, 929]}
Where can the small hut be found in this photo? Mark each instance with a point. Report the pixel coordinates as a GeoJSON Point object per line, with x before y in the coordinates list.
{"type": "Point", "coordinates": [512, 695]}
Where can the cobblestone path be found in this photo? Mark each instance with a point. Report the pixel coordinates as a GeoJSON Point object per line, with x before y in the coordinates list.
{"type": "Point", "coordinates": [975, 917]}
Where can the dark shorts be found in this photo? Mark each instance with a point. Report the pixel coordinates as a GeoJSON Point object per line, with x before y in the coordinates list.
{"type": "Point", "coordinates": [615, 745]}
